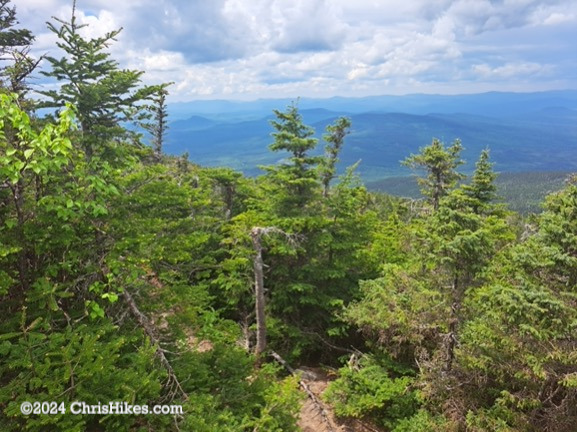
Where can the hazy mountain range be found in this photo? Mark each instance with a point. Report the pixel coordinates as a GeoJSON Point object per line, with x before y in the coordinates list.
{"type": "Point", "coordinates": [525, 131]}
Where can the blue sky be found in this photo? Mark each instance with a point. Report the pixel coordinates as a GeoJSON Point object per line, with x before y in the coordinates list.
{"type": "Point", "coordinates": [250, 49]}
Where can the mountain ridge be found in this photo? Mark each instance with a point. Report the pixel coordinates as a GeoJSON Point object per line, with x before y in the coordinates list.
{"type": "Point", "coordinates": [540, 134]}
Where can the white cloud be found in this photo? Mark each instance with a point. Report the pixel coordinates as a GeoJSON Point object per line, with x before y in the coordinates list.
{"type": "Point", "coordinates": [510, 70]}
{"type": "Point", "coordinates": [161, 61]}
{"type": "Point", "coordinates": [264, 48]}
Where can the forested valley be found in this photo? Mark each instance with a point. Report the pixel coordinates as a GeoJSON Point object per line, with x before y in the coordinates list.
{"type": "Point", "coordinates": [130, 275]}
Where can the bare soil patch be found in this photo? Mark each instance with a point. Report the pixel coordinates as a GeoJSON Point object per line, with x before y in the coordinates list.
{"type": "Point", "coordinates": [311, 419]}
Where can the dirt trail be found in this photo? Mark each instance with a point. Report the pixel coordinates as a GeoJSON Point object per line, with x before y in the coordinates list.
{"type": "Point", "coordinates": [311, 419]}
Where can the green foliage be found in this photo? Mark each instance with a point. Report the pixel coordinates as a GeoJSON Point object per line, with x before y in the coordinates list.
{"type": "Point", "coordinates": [281, 407]}
{"type": "Point", "coordinates": [296, 179]}
{"type": "Point", "coordinates": [373, 390]}
{"type": "Point", "coordinates": [309, 289]}
{"type": "Point", "coordinates": [495, 419]}
{"type": "Point", "coordinates": [521, 340]}
{"type": "Point", "coordinates": [482, 188]}
{"type": "Point", "coordinates": [92, 232]}
{"type": "Point", "coordinates": [25, 150]}
{"type": "Point", "coordinates": [440, 164]}
{"type": "Point", "coordinates": [105, 96]}
{"type": "Point", "coordinates": [227, 393]}
{"type": "Point", "coordinates": [424, 421]}
{"type": "Point", "coordinates": [15, 46]}
{"type": "Point", "coordinates": [334, 138]}
{"type": "Point", "coordinates": [86, 363]}
{"type": "Point", "coordinates": [127, 276]}
{"type": "Point", "coordinates": [156, 123]}
{"type": "Point", "coordinates": [9, 36]}
{"type": "Point", "coordinates": [399, 310]}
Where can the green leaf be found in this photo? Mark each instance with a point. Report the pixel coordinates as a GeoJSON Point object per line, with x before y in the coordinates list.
{"type": "Point", "coordinates": [28, 153]}
{"type": "Point", "coordinates": [112, 297]}
{"type": "Point", "coordinates": [10, 223]}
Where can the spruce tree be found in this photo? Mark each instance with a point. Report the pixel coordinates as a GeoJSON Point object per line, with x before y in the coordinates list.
{"type": "Point", "coordinates": [297, 178]}
{"type": "Point", "coordinates": [482, 189]}
{"type": "Point", "coordinates": [9, 36]}
{"type": "Point", "coordinates": [158, 119]}
{"type": "Point", "coordinates": [334, 138]}
{"type": "Point", "coordinates": [15, 46]}
{"type": "Point", "coordinates": [104, 95]}
{"type": "Point", "coordinates": [440, 163]}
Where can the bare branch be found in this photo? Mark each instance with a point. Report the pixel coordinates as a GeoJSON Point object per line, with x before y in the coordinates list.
{"type": "Point", "coordinates": [149, 329]}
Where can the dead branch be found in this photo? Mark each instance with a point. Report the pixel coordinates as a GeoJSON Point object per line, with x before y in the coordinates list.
{"type": "Point", "coordinates": [147, 326]}
{"type": "Point", "coordinates": [316, 401]}
{"type": "Point", "coordinates": [330, 345]}
{"type": "Point", "coordinates": [256, 234]}
{"type": "Point", "coordinates": [366, 426]}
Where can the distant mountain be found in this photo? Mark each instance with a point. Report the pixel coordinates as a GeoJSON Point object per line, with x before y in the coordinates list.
{"type": "Point", "coordinates": [525, 131]}
{"type": "Point", "coordinates": [192, 123]}
{"type": "Point", "coordinates": [492, 104]}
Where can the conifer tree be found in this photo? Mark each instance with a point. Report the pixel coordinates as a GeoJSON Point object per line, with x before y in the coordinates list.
{"type": "Point", "coordinates": [14, 48]}
{"type": "Point", "coordinates": [520, 343]}
{"type": "Point", "coordinates": [334, 138]}
{"type": "Point", "coordinates": [158, 114]}
{"type": "Point", "coordinates": [104, 95]}
{"type": "Point", "coordinates": [297, 176]}
{"type": "Point", "coordinates": [10, 37]}
{"type": "Point", "coordinates": [440, 163]}
{"type": "Point", "coordinates": [482, 189]}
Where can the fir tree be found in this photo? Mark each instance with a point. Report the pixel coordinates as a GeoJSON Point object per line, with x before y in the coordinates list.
{"type": "Point", "coordinates": [158, 114]}
{"type": "Point", "coordinates": [104, 95]}
{"type": "Point", "coordinates": [440, 163]}
{"type": "Point", "coordinates": [297, 176]}
{"type": "Point", "coordinates": [15, 44]}
{"type": "Point", "coordinates": [482, 189]}
{"type": "Point", "coordinates": [334, 138]}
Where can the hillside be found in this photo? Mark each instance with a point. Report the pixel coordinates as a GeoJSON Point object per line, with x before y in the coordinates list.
{"type": "Point", "coordinates": [145, 290]}
{"type": "Point", "coordinates": [524, 192]}
{"type": "Point", "coordinates": [525, 132]}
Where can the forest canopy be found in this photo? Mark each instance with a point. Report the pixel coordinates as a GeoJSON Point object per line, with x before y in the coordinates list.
{"type": "Point", "coordinates": [127, 274]}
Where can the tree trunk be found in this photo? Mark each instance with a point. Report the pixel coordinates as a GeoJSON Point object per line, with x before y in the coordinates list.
{"type": "Point", "coordinates": [326, 184]}
{"type": "Point", "coordinates": [23, 265]}
{"type": "Point", "coordinates": [453, 323]}
{"type": "Point", "coordinates": [256, 234]}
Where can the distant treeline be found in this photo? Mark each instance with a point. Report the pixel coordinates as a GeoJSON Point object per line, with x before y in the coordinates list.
{"type": "Point", "coordinates": [522, 191]}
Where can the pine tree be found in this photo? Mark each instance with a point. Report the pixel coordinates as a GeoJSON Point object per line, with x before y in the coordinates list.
{"type": "Point", "coordinates": [158, 114]}
{"type": "Point", "coordinates": [440, 163]}
{"type": "Point", "coordinates": [15, 46]}
{"type": "Point", "coordinates": [104, 95]}
{"type": "Point", "coordinates": [334, 138]}
{"type": "Point", "coordinates": [297, 178]}
{"type": "Point", "coordinates": [482, 189]}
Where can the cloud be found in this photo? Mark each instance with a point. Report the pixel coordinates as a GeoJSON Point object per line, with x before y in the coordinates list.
{"type": "Point", "coordinates": [510, 70]}
{"type": "Point", "coordinates": [289, 48]}
{"type": "Point", "coordinates": [198, 29]}
{"type": "Point", "coordinates": [304, 25]}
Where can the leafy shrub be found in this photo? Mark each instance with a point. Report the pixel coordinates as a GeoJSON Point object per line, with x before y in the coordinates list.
{"type": "Point", "coordinates": [379, 391]}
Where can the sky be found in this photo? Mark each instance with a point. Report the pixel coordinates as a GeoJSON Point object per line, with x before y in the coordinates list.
{"type": "Point", "coordinates": [252, 49]}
